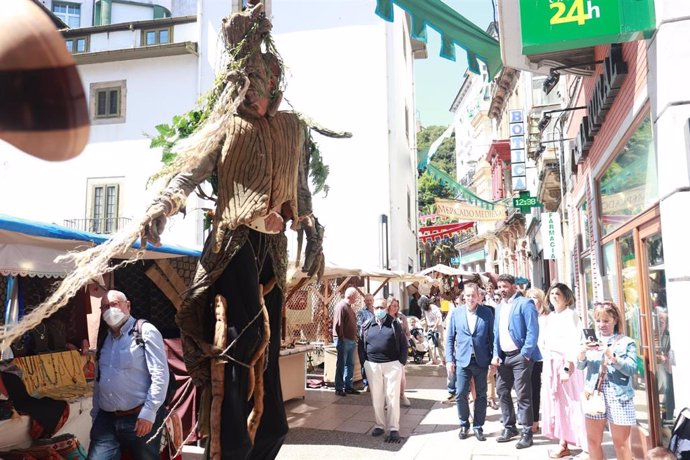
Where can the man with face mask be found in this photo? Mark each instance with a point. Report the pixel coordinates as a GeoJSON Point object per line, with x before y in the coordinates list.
{"type": "Point", "coordinates": [130, 386]}
{"type": "Point", "coordinates": [383, 350]}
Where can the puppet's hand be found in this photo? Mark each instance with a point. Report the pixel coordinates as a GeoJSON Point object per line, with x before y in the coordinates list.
{"type": "Point", "coordinates": [154, 223]}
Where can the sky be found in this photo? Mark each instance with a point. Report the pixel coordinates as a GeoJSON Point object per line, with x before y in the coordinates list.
{"type": "Point", "coordinates": [437, 80]}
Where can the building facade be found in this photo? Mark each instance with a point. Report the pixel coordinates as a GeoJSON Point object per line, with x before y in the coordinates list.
{"type": "Point", "coordinates": [143, 63]}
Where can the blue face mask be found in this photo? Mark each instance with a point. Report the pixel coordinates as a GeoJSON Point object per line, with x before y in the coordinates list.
{"type": "Point", "coordinates": [380, 313]}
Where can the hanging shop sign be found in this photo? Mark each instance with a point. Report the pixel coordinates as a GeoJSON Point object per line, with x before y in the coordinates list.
{"type": "Point", "coordinates": [464, 211]}
{"type": "Point", "coordinates": [605, 91]}
{"type": "Point", "coordinates": [551, 235]}
{"type": "Point", "coordinates": [517, 150]}
{"type": "Point", "coordinates": [553, 25]}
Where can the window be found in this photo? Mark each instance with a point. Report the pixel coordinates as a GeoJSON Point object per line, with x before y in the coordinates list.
{"type": "Point", "coordinates": [104, 208]}
{"type": "Point", "coordinates": [156, 36]}
{"type": "Point", "coordinates": [629, 184]}
{"type": "Point", "coordinates": [107, 102]}
{"type": "Point", "coordinates": [77, 45]}
{"type": "Point", "coordinates": [69, 13]}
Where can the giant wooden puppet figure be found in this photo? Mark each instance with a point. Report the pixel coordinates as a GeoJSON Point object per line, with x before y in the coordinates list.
{"type": "Point", "coordinates": [259, 157]}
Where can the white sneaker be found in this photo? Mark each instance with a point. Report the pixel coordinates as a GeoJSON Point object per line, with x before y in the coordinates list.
{"type": "Point", "coordinates": [404, 401]}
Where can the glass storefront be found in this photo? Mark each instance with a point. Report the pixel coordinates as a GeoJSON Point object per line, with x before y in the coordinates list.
{"type": "Point", "coordinates": [629, 184]}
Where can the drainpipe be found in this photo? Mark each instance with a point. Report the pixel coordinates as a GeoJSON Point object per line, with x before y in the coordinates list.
{"type": "Point", "coordinates": [106, 12]}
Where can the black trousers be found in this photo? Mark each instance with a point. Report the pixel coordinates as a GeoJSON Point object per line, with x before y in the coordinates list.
{"type": "Point", "coordinates": [515, 371]}
{"type": "Point", "coordinates": [239, 285]}
{"type": "Point", "coordinates": [536, 389]}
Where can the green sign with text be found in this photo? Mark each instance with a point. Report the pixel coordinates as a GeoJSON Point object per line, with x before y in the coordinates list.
{"type": "Point", "coordinates": [525, 202]}
{"type": "Point", "coordinates": [556, 25]}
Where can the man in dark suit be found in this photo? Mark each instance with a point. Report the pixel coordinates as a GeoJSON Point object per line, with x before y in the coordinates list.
{"type": "Point", "coordinates": [469, 349]}
{"type": "Point", "coordinates": [515, 349]}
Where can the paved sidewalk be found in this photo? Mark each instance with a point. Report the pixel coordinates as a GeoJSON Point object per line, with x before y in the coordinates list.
{"type": "Point", "coordinates": [324, 425]}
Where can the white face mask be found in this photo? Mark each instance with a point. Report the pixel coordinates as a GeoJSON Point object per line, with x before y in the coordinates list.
{"type": "Point", "coordinates": [114, 317]}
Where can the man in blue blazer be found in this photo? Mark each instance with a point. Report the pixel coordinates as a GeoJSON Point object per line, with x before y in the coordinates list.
{"type": "Point", "coordinates": [469, 349]}
{"type": "Point", "coordinates": [515, 349]}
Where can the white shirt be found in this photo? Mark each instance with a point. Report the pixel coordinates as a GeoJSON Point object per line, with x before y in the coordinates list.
{"type": "Point", "coordinates": [561, 334]}
{"type": "Point", "coordinates": [471, 319]}
{"type": "Point", "coordinates": [434, 318]}
{"type": "Point", "coordinates": [504, 339]}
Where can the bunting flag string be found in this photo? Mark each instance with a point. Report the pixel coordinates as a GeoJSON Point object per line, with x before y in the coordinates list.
{"type": "Point", "coordinates": [440, 232]}
{"type": "Point", "coordinates": [458, 189]}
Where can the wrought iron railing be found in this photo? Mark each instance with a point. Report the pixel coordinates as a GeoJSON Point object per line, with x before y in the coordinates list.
{"type": "Point", "coordinates": [103, 226]}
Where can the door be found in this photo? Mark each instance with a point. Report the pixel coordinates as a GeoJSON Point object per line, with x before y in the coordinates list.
{"type": "Point", "coordinates": [660, 343]}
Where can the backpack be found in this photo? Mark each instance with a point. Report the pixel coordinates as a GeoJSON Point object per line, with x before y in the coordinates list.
{"type": "Point", "coordinates": [139, 340]}
{"type": "Point", "coordinates": [680, 439]}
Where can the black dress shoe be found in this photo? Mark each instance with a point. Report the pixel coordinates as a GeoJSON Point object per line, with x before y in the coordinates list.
{"type": "Point", "coordinates": [479, 434]}
{"type": "Point", "coordinates": [340, 393]}
{"type": "Point", "coordinates": [508, 434]}
{"type": "Point", "coordinates": [525, 440]}
{"type": "Point", "coordinates": [352, 391]}
{"type": "Point", "coordinates": [463, 432]}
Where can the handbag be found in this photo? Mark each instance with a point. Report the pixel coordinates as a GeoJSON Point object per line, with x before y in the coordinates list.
{"type": "Point", "coordinates": [593, 404]}
{"type": "Point", "coordinates": [66, 445]}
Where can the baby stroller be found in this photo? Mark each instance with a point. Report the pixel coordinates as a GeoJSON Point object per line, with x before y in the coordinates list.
{"type": "Point", "coordinates": [418, 346]}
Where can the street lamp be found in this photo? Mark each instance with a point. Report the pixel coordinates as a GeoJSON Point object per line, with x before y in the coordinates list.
{"type": "Point", "coordinates": [555, 75]}
{"type": "Point", "coordinates": [546, 116]}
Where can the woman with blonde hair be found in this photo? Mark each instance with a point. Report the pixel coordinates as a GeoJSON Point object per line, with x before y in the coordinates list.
{"type": "Point", "coordinates": [562, 416]}
{"type": "Point", "coordinates": [610, 363]}
{"type": "Point", "coordinates": [539, 298]}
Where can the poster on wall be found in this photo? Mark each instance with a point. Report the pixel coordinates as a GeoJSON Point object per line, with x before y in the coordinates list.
{"type": "Point", "coordinates": [551, 235]}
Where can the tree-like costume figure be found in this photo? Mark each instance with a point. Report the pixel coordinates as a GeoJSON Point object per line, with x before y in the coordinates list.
{"type": "Point", "coordinates": [230, 321]}
{"type": "Point", "coordinates": [260, 159]}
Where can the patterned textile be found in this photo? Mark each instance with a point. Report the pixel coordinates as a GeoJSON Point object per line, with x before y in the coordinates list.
{"type": "Point", "coordinates": [618, 412]}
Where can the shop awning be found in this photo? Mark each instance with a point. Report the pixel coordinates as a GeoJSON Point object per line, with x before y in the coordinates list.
{"type": "Point", "coordinates": [454, 30]}
{"type": "Point", "coordinates": [29, 248]}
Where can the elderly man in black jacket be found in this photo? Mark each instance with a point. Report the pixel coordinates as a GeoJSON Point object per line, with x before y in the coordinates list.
{"type": "Point", "coordinates": [383, 350]}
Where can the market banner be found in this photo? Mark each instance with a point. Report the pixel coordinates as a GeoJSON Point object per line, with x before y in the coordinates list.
{"type": "Point", "coordinates": [465, 211]}
{"type": "Point", "coordinates": [440, 232]}
{"type": "Point", "coordinates": [459, 189]}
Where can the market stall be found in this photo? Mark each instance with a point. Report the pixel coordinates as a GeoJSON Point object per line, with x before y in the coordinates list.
{"type": "Point", "coordinates": [53, 363]}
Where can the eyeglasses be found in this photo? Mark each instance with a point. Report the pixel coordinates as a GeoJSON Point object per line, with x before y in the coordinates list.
{"type": "Point", "coordinates": [114, 303]}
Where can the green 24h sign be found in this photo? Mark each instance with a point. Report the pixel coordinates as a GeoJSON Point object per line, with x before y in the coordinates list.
{"type": "Point", "coordinates": [556, 25]}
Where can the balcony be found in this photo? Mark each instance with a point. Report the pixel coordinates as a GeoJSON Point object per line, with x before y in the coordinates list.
{"type": "Point", "coordinates": [101, 226]}
{"type": "Point", "coordinates": [549, 188]}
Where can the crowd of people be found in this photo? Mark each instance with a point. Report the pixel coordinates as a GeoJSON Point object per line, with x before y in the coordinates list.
{"type": "Point", "coordinates": [497, 340]}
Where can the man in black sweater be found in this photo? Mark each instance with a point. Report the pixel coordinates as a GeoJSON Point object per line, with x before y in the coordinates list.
{"type": "Point", "coordinates": [383, 350]}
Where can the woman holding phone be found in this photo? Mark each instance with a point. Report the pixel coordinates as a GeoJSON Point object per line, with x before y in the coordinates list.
{"type": "Point", "coordinates": [562, 384]}
{"type": "Point", "coordinates": [613, 360]}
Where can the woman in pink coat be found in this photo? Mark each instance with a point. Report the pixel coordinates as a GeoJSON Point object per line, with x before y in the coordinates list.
{"type": "Point", "coordinates": [562, 383]}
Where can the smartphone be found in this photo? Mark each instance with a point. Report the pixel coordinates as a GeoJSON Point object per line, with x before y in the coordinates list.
{"type": "Point", "coordinates": [589, 335]}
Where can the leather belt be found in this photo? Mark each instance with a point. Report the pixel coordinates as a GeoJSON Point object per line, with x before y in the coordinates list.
{"type": "Point", "coordinates": [511, 353]}
{"type": "Point", "coordinates": [126, 413]}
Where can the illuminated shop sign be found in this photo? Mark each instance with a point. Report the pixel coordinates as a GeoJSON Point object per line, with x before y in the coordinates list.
{"type": "Point", "coordinates": [552, 25]}
{"type": "Point", "coordinates": [605, 91]}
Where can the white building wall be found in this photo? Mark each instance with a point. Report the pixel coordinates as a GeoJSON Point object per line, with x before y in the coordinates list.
{"type": "Point", "coordinates": [345, 46]}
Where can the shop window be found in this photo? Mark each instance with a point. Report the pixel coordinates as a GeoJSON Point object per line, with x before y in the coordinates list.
{"type": "Point", "coordinates": [77, 45]}
{"type": "Point", "coordinates": [610, 272]}
{"type": "Point", "coordinates": [631, 309]}
{"type": "Point", "coordinates": [152, 37]}
{"type": "Point", "coordinates": [629, 184]}
{"type": "Point", "coordinates": [69, 13]}
{"type": "Point", "coordinates": [107, 101]}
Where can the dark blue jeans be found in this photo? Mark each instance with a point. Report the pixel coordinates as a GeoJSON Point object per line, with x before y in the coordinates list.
{"type": "Point", "coordinates": [110, 435]}
{"type": "Point", "coordinates": [463, 375]}
{"type": "Point", "coordinates": [345, 363]}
